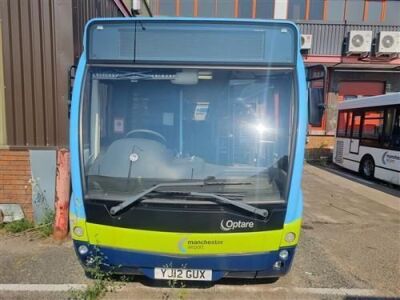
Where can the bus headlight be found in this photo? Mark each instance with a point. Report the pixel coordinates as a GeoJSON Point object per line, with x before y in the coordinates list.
{"type": "Point", "coordinates": [78, 230]}
{"type": "Point", "coordinates": [82, 249]}
{"type": "Point", "coordinates": [290, 237]}
{"type": "Point", "coordinates": [284, 254]}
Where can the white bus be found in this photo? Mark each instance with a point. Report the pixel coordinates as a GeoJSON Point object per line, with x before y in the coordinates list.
{"type": "Point", "coordinates": [368, 137]}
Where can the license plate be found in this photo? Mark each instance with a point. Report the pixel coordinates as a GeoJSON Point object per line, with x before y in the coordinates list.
{"type": "Point", "coordinates": [182, 274]}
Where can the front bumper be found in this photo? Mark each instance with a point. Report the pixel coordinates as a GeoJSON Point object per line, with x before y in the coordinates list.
{"type": "Point", "coordinates": [262, 265]}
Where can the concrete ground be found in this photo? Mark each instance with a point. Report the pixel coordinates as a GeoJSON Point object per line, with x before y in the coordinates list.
{"type": "Point", "coordinates": [349, 249]}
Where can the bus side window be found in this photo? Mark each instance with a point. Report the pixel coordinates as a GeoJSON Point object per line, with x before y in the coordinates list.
{"type": "Point", "coordinates": [349, 124]}
{"type": "Point", "coordinates": [373, 125]}
{"type": "Point", "coordinates": [355, 133]}
{"type": "Point", "coordinates": [396, 131]}
{"type": "Point", "coordinates": [389, 127]}
{"type": "Point", "coordinates": [342, 123]}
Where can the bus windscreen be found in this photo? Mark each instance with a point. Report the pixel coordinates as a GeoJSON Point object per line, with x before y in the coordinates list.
{"type": "Point", "coordinates": [146, 126]}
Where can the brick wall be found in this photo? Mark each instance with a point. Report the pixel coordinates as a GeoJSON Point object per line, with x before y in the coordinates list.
{"type": "Point", "coordinates": [15, 175]}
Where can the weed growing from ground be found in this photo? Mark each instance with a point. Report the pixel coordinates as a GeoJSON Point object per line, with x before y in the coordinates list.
{"type": "Point", "coordinates": [18, 226]}
{"type": "Point", "coordinates": [178, 290]}
{"type": "Point", "coordinates": [103, 281]}
{"type": "Point", "coordinates": [45, 228]}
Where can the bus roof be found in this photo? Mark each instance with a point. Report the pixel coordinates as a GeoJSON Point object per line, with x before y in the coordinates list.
{"type": "Point", "coordinates": [375, 101]}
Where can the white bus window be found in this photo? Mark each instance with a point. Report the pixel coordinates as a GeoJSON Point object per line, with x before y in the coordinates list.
{"type": "Point", "coordinates": [341, 131]}
{"type": "Point", "coordinates": [374, 114]}
{"type": "Point", "coordinates": [372, 128]}
{"type": "Point", "coordinates": [349, 123]}
{"type": "Point", "coordinates": [373, 124]}
{"type": "Point", "coordinates": [388, 127]}
{"type": "Point", "coordinates": [396, 131]}
{"type": "Point", "coordinates": [356, 126]}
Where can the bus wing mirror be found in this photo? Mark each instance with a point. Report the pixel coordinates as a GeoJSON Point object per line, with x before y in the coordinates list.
{"type": "Point", "coordinates": [316, 106]}
{"type": "Point", "coordinates": [316, 78]}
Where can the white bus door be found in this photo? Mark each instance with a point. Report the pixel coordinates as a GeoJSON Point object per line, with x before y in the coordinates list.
{"type": "Point", "coordinates": [355, 133]}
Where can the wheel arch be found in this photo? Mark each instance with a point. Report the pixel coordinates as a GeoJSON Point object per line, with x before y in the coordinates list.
{"type": "Point", "coordinates": [364, 158]}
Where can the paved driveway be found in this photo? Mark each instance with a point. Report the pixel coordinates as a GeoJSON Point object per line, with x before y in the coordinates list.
{"type": "Point", "coordinates": [349, 248]}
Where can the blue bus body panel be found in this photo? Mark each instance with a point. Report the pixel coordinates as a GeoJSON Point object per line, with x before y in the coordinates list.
{"type": "Point", "coordinates": [130, 262]}
{"type": "Point", "coordinates": [76, 205]}
{"type": "Point", "coordinates": [295, 201]}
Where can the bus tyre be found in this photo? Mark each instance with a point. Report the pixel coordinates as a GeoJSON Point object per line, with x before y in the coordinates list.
{"type": "Point", "coordinates": [367, 167]}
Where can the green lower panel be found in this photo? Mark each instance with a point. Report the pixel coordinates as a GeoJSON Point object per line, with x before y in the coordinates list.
{"type": "Point", "coordinates": [187, 243]}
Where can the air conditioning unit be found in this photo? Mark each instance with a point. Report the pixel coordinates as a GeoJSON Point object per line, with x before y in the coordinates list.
{"type": "Point", "coordinates": [359, 42]}
{"type": "Point", "coordinates": [306, 41]}
{"type": "Point", "coordinates": [388, 43]}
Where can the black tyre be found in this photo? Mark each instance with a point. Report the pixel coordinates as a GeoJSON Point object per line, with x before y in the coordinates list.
{"type": "Point", "coordinates": [367, 167]}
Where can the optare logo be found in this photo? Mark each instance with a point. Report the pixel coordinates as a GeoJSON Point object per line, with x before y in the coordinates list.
{"type": "Point", "coordinates": [228, 225]}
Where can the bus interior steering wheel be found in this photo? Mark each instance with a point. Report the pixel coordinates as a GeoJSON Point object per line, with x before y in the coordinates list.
{"type": "Point", "coordinates": [146, 131]}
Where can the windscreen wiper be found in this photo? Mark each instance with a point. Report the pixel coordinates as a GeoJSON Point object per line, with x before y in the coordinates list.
{"type": "Point", "coordinates": [139, 197]}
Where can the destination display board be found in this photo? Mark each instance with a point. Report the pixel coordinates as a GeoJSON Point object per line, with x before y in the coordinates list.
{"type": "Point", "coordinates": [190, 41]}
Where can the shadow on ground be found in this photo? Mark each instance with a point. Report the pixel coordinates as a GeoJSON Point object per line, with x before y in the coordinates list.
{"type": "Point", "coordinates": [195, 284]}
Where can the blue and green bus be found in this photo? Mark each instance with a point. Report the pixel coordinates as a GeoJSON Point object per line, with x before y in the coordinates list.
{"type": "Point", "coordinates": [187, 142]}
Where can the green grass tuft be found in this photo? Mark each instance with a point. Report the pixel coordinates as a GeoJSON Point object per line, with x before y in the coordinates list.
{"type": "Point", "coordinates": [18, 226]}
{"type": "Point", "coordinates": [46, 226]}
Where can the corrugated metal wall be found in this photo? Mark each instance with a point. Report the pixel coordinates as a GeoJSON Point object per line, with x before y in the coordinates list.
{"type": "Point", "coordinates": [84, 10]}
{"type": "Point", "coordinates": [328, 38]}
{"type": "Point", "coordinates": [41, 40]}
{"type": "Point", "coordinates": [37, 51]}
{"type": "Point", "coordinates": [3, 128]}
